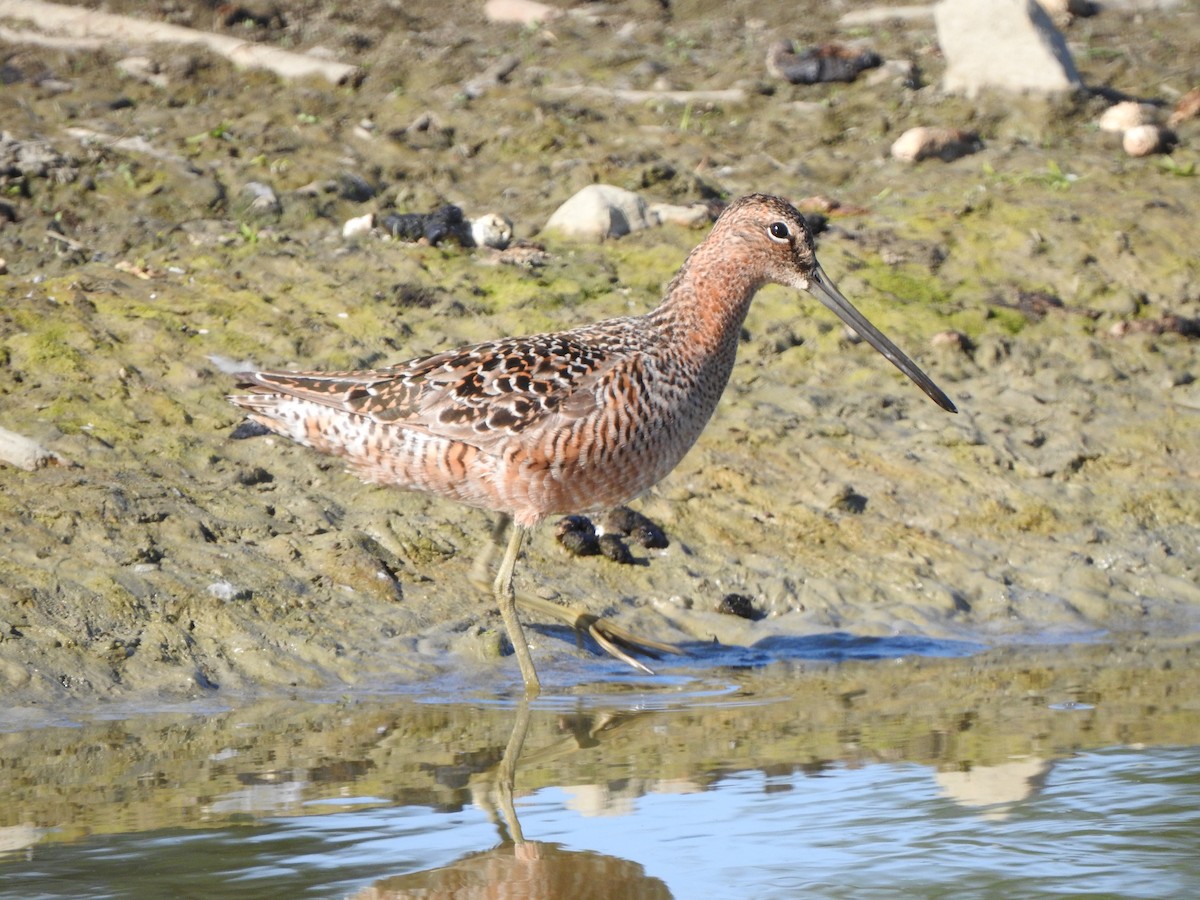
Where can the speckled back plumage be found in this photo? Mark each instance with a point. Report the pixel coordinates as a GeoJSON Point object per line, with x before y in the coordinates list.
{"type": "Point", "coordinates": [557, 423]}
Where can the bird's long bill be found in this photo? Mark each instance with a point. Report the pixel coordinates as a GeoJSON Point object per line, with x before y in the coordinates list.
{"type": "Point", "coordinates": [826, 291]}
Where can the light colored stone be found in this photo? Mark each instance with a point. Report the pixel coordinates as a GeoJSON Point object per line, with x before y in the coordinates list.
{"type": "Point", "coordinates": [1142, 140]}
{"type": "Point", "coordinates": [519, 12]}
{"type": "Point", "coordinates": [142, 68]}
{"type": "Point", "coordinates": [1120, 117]}
{"type": "Point", "coordinates": [953, 340]}
{"type": "Point", "coordinates": [600, 211]}
{"type": "Point", "coordinates": [491, 230]}
{"type": "Point", "coordinates": [259, 200]}
{"type": "Point", "coordinates": [1006, 44]}
{"type": "Point", "coordinates": [925, 142]}
{"type": "Point", "coordinates": [358, 227]}
{"type": "Point", "coordinates": [694, 215]}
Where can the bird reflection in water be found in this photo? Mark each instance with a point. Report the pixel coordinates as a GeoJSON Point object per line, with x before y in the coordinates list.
{"type": "Point", "coordinates": [518, 867]}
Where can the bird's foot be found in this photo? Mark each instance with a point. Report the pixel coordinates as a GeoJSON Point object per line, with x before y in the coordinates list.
{"type": "Point", "coordinates": [616, 641]}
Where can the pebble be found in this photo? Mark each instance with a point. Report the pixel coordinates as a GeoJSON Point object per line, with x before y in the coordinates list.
{"type": "Point", "coordinates": [358, 227]}
{"type": "Point", "coordinates": [952, 340]}
{"type": "Point", "coordinates": [495, 74]}
{"type": "Point", "coordinates": [1120, 117]}
{"type": "Point", "coordinates": [223, 590]}
{"type": "Point", "coordinates": [354, 187]}
{"type": "Point", "coordinates": [924, 142]}
{"type": "Point", "coordinates": [519, 12]}
{"type": "Point", "coordinates": [260, 199]}
{"type": "Point", "coordinates": [737, 605]}
{"type": "Point", "coordinates": [695, 215]}
{"type": "Point", "coordinates": [492, 230]}
{"type": "Point", "coordinates": [142, 68]}
{"type": "Point", "coordinates": [600, 211]}
{"type": "Point", "coordinates": [1142, 140]}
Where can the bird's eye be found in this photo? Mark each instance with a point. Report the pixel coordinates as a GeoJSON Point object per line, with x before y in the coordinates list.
{"type": "Point", "coordinates": [780, 231]}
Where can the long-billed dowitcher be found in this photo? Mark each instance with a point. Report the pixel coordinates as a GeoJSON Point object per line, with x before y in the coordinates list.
{"type": "Point", "coordinates": [568, 422]}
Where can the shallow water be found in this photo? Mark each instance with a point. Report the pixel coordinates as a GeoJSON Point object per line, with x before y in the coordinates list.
{"type": "Point", "coordinates": [1018, 772]}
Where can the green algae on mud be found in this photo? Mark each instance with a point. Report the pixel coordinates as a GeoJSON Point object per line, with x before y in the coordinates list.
{"type": "Point", "coordinates": [175, 560]}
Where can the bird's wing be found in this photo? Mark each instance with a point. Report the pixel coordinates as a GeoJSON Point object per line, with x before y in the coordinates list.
{"type": "Point", "coordinates": [479, 394]}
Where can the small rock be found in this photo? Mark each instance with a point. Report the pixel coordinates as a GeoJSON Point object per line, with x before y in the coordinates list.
{"type": "Point", "coordinates": [1120, 117]}
{"type": "Point", "coordinates": [141, 68]}
{"type": "Point", "coordinates": [55, 85]}
{"type": "Point", "coordinates": [600, 211]}
{"type": "Point", "coordinates": [1188, 107]}
{"type": "Point", "coordinates": [223, 590]}
{"type": "Point", "coordinates": [1006, 44]}
{"type": "Point", "coordinates": [259, 200]}
{"type": "Point", "coordinates": [695, 215]}
{"type": "Point", "coordinates": [519, 12]}
{"type": "Point", "coordinates": [425, 132]}
{"type": "Point", "coordinates": [358, 227]}
{"type": "Point", "coordinates": [924, 142]}
{"type": "Point", "coordinates": [952, 340]}
{"type": "Point", "coordinates": [491, 230]}
{"type": "Point", "coordinates": [253, 476]}
{"type": "Point", "coordinates": [354, 188]}
{"type": "Point", "coordinates": [249, 429]}
{"type": "Point", "coordinates": [497, 73]}
{"type": "Point", "coordinates": [737, 605]}
{"type": "Point", "coordinates": [1142, 140]}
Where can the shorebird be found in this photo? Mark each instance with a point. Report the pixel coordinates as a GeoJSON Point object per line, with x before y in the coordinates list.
{"type": "Point", "coordinates": [566, 422]}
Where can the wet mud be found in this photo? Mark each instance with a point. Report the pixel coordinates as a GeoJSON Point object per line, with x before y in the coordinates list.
{"type": "Point", "coordinates": [168, 562]}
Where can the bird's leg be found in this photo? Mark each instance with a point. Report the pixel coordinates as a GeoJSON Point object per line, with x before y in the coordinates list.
{"type": "Point", "coordinates": [613, 639]}
{"type": "Point", "coordinates": [506, 599]}
{"type": "Point", "coordinates": [506, 774]}
{"type": "Point", "coordinates": [481, 569]}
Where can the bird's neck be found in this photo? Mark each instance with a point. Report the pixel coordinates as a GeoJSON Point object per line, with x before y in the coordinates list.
{"type": "Point", "coordinates": [706, 304]}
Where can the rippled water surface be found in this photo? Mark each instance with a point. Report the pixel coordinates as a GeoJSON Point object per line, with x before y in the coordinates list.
{"type": "Point", "coordinates": [1014, 773]}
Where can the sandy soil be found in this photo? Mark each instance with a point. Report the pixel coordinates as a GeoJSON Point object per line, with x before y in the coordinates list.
{"type": "Point", "coordinates": [170, 561]}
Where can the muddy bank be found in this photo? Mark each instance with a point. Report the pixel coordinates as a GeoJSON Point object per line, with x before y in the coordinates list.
{"type": "Point", "coordinates": [169, 559]}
